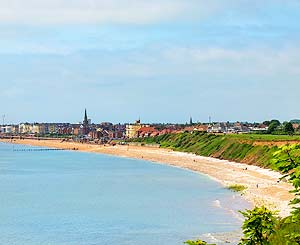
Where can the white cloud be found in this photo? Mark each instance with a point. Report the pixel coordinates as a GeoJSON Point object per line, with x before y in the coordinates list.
{"type": "Point", "coordinates": [256, 61]}
{"type": "Point", "coordinates": [39, 12]}
{"type": "Point", "coordinates": [102, 11]}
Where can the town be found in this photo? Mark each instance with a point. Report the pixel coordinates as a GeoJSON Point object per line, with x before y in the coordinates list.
{"type": "Point", "coordinates": [106, 132]}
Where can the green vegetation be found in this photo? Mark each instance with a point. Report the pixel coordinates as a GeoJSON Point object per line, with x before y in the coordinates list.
{"type": "Point", "coordinates": [258, 226]}
{"type": "Point", "coordinates": [295, 121]}
{"type": "Point", "coordinates": [198, 242]}
{"type": "Point", "coordinates": [265, 137]}
{"type": "Point", "coordinates": [288, 128]}
{"type": "Point", "coordinates": [288, 160]}
{"type": "Point", "coordinates": [237, 188]}
{"type": "Point", "coordinates": [261, 226]}
{"type": "Point", "coordinates": [285, 128]}
{"type": "Point", "coordinates": [273, 126]}
{"type": "Point", "coordinates": [247, 148]}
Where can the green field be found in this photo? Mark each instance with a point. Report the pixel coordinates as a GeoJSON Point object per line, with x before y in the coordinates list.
{"type": "Point", "coordinates": [265, 137]}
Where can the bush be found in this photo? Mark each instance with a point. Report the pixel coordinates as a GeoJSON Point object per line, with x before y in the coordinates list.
{"type": "Point", "coordinates": [258, 226]}
{"type": "Point", "coordinates": [237, 188]}
{"type": "Point", "coordinates": [198, 242]}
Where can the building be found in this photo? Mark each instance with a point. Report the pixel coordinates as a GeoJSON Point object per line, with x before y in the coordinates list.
{"type": "Point", "coordinates": [15, 129]}
{"type": "Point", "coordinates": [52, 128]}
{"type": "Point", "coordinates": [8, 129]}
{"type": "Point", "coordinates": [217, 128]}
{"type": "Point", "coordinates": [239, 127]}
{"type": "Point", "coordinates": [39, 129]}
{"type": "Point", "coordinates": [85, 124]}
{"type": "Point", "coordinates": [296, 126]}
{"type": "Point", "coordinates": [259, 128]}
{"type": "Point", "coordinates": [146, 132]}
{"type": "Point", "coordinates": [132, 129]}
{"type": "Point", "coordinates": [202, 128]}
{"type": "Point", "coordinates": [25, 128]}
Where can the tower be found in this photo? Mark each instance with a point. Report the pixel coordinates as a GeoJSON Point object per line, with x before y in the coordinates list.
{"type": "Point", "coordinates": [191, 120]}
{"type": "Point", "coordinates": [85, 120]}
{"type": "Point", "coordinates": [85, 123]}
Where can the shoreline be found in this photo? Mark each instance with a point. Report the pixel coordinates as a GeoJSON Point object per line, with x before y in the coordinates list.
{"type": "Point", "coordinates": [269, 192]}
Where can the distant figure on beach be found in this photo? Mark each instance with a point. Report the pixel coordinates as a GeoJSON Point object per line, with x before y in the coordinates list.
{"type": "Point", "coordinates": [256, 185]}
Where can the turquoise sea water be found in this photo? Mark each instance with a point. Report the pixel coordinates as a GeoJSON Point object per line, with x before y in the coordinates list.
{"type": "Point", "coordinates": [73, 198]}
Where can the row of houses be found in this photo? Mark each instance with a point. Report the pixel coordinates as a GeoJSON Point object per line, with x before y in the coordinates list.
{"type": "Point", "coordinates": [54, 129]}
{"type": "Point", "coordinates": [138, 130]}
{"type": "Point", "coordinates": [238, 127]}
{"type": "Point", "coordinates": [40, 129]}
{"type": "Point", "coordinates": [90, 131]}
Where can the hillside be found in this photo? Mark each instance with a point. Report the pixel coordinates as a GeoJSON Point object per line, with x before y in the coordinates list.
{"type": "Point", "coordinates": [251, 148]}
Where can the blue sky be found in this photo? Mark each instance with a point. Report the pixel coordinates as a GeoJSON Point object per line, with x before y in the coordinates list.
{"type": "Point", "coordinates": [160, 60]}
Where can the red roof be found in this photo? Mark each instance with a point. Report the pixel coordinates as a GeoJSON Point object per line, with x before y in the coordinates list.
{"type": "Point", "coordinates": [147, 130]}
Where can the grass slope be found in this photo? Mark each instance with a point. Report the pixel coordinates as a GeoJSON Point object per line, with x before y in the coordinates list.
{"type": "Point", "coordinates": [239, 148]}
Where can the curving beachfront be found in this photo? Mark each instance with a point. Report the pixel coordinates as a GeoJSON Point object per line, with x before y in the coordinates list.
{"type": "Point", "coordinates": [262, 185]}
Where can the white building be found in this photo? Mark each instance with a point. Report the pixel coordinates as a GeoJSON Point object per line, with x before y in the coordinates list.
{"type": "Point", "coordinates": [8, 129]}
{"type": "Point", "coordinates": [25, 128]}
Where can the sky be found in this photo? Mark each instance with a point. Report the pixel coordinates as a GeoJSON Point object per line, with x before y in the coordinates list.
{"type": "Point", "coordinates": [158, 60]}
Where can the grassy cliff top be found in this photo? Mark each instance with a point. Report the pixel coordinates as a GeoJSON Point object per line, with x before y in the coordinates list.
{"type": "Point", "coordinates": [254, 149]}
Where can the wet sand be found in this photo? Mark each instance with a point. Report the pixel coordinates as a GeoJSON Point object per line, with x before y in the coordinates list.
{"type": "Point", "coordinates": [262, 185]}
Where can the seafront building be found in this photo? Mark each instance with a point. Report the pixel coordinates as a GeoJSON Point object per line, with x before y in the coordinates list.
{"type": "Point", "coordinates": [132, 130]}
{"type": "Point", "coordinates": [51, 128]}
{"type": "Point", "coordinates": [8, 129]}
{"type": "Point", "coordinates": [39, 129]}
{"type": "Point", "coordinates": [25, 128]}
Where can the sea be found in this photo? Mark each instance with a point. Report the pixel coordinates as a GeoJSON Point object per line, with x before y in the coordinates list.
{"type": "Point", "coordinates": [75, 198]}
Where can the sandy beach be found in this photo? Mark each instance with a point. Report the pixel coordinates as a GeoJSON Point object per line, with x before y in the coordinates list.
{"type": "Point", "coordinates": [262, 184]}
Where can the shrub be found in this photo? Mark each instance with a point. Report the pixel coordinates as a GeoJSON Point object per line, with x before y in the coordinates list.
{"type": "Point", "coordinates": [237, 188]}
{"type": "Point", "coordinates": [258, 226]}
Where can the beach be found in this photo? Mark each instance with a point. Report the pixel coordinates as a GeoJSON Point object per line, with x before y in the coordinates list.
{"type": "Point", "coordinates": [262, 185]}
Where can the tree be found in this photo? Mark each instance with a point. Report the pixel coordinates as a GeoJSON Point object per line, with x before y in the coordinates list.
{"type": "Point", "coordinates": [258, 226]}
{"type": "Point", "coordinates": [276, 122]}
{"type": "Point", "coordinates": [288, 128]}
{"type": "Point", "coordinates": [272, 127]}
{"type": "Point", "coordinates": [288, 162]}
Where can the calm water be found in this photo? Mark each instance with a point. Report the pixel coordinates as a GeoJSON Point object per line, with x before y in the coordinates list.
{"type": "Point", "coordinates": [73, 198]}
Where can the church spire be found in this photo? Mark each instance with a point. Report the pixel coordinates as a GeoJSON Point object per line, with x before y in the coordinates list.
{"type": "Point", "coordinates": [85, 120]}
{"type": "Point", "coordinates": [85, 129]}
{"type": "Point", "coordinates": [191, 120]}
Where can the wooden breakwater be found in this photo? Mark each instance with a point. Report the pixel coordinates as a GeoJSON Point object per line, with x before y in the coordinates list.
{"type": "Point", "coordinates": [46, 149]}
{"type": "Point", "coordinates": [24, 137]}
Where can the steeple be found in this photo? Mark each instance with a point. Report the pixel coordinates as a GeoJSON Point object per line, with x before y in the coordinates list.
{"type": "Point", "coordinates": [85, 120]}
